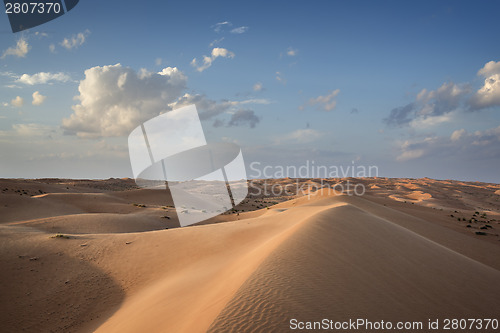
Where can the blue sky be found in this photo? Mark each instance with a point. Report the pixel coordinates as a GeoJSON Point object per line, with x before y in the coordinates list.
{"type": "Point", "coordinates": [411, 87]}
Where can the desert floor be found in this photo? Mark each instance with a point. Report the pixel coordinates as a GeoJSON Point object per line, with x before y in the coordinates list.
{"type": "Point", "coordinates": [105, 256]}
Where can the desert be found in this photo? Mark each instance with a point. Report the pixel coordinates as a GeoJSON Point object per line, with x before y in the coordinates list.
{"type": "Point", "coordinates": [106, 256]}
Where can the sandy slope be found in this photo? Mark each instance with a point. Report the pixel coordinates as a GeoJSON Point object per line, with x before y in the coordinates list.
{"type": "Point", "coordinates": [345, 263]}
{"type": "Point", "coordinates": [309, 258]}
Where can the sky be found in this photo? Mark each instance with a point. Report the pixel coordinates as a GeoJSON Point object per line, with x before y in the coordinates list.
{"type": "Point", "coordinates": [411, 87]}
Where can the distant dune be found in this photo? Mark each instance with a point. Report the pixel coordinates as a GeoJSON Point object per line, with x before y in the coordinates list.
{"type": "Point", "coordinates": [84, 256]}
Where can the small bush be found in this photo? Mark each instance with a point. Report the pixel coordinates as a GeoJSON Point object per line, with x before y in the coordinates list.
{"type": "Point", "coordinates": [61, 236]}
{"type": "Point", "coordinates": [480, 233]}
{"type": "Point", "coordinates": [139, 205]}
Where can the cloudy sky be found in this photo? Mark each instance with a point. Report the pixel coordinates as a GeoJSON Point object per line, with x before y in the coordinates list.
{"type": "Point", "coordinates": [410, 87]}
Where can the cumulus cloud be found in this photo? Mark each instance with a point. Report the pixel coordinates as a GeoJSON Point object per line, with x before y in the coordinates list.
{"type": "Point", "coordinates": [75, 40]}
{"type": "Point", "coordinates": [258, 86]}
{"type": "Point", "coordinates": [326, 102]}
{"type": "Point", "coordinates": [490, 68]}
{"type": "Point", "coordinates": [20, 50]}
{"type": "Point", "coordinates": [445, 99]}
{"type": "Point", "coordinates": [244, 117]}
{"type": "Point", "coordinates": [456, 135]}
{"type": "Point", "coordinates": [115, 99]}
{"type": "Point", "coordinates": [239, 30]}
{"type": "Point", "coordinates": [209, 109]}
{"type": "Point", "coordinates": [207, 61]}
{"type": "Point", "coordinates": [38, 98]}
{"type": "Point", "coordinates": [475, 146]}
{"type": "Point", "coordinates": [489, 94]}
{"type": "Point", "coordinates": [410, 154]}
{"type": "Point", "coordinates": [42, 78]}
{"type": "Point", "coordinates": [437, 106]}
{"type": "Point", "coordinates": [291, 52]}
{"type": "Point", "coordinates": [17, 102]}
{"type": "Point", "coordinates": [430, 107]}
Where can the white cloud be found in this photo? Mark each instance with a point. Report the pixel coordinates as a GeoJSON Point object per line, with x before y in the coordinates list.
{"type": "Point", "coordinates": [52, 48]}
{"type": "Point", "coordinates": [489, 94]}
{"type": "Point", "coordinates": [410, 155]}
{"type": "Point", "coordinates": [216, 41]}
{"type": "Point", "coordinates": [158, 61]}
{"type": "Point", "coordinates": [291, 52]}
{"type": "Point", "coordinates": [456, 135]}
{"type": "Point", "coordinates": [41, 34]}
{"type": "Point", "coordinates": [115, 99]}
{"type": "Point", "coordinates": [32, 129]}
{"type": "Point", "coordinates": [42, 78]}
{"type": "Point", "coordinates": [20, 50]}
{"type": "Point", "coordinates": [326, 102]}
{"type": "Point", "coordinates": [413, 150]}
{"type": "Point", "coordinates": [221, 52]}
{"type": "Point", "coordinates": [75, 40]}
{"type": "Point", "coordinates": [239, 30]}
{"type": "Point", "coordinates": [430, 107]}
{"type": "Point", "coordinates": [437, 102]}
{"type": "Point", "coordinates": [478, 146]}
{"type": "Point", "coordinates": [252, 101]}
{"type": "Point", "coordinates": [300, 136]}
{"type": "Point", "coordinates": [258, 86]}
{"type": "Point", "coordinates": [38, 98]}
{"type": "Point", "coordinates": [207, 61]}
{"type": "Point", "coordinates": [17, 102]}
{"type": "Point", "coordinates": [490, 68]}
{"type": "Point", "coordinates": [279, 78]}
{"type": "Point", "coordinates": [219, 26]}
{"type": "Point", "coordinates": [426, 122]}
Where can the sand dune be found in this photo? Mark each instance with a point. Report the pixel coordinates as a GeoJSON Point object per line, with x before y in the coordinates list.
{"type": "Point", "coordinates": [419, 196]}
{"type": "Point", "coordinates": [345, 263]}
{"type": "Point", "coordinates": [324, 255]}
